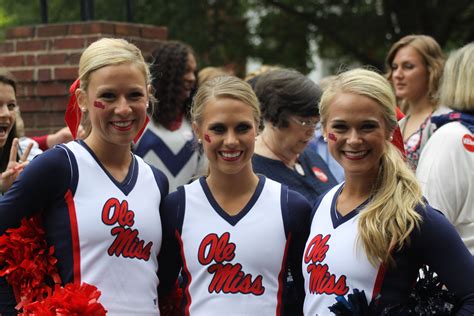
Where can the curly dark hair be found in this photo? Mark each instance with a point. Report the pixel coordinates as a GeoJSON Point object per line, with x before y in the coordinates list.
{"type": "Point", "coordinates": [168, 64]}
{"type": "Point", "coordinates": [7, 79]}
{"type": "Point", "coordinates": [286, 92]}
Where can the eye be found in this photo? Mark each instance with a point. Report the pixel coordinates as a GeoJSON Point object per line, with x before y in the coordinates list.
{"type": "Point", "coordinates": [11, 106]}
{"type": "Point", "coordinates": [339, 127]}
{"type": "Point", "coordinates": [107, 96]}
{"type": "Point", "coordinates": [394, 66]}
{"type": "Point", "coordinates": [243, 128]}
{"type": "Point", "coordinates": [136, 95]}
{"type": "Point", "coordinates": [409, 66]}
{"type": "Point", "coordinates": [218, 129]}
{"type": "Point", "coordinates": [369, 126]}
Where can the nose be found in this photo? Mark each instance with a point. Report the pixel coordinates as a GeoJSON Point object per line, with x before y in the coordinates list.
{"type": "Point", "coordinates": [310, 130]}
{"type": "Point", "coordinates": [122, 107]}
{"type": "Point", "coordinates": [398, 73]}
{"type": "Point", "coordinates": [190, 77]}
{"type": "Point", "coordinates": [4, 110]}
{"type": "Point", "coordinates": [354, 138]}
{"type": "Point", "coordinates": [231, 139]}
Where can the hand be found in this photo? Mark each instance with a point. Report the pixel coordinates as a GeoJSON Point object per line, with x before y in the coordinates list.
{"type": "Point", "coordinates": [14, 168]}
{"type": "Point", "coordinates": [63, 136]}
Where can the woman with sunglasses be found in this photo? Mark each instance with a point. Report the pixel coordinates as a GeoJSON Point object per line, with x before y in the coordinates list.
{"type": "Point", "coordinates": [289, 103]}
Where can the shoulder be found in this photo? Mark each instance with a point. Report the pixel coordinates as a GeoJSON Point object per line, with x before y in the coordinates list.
{"type": "Point", "coordinates": [296, 201]}
{"type": "Point", "coordinates": [325, 199]}
{"type": "Point", "coordinates": [433, 222]}
{"type": "Point", "coordinates": [159, 176]}
{"type": "Point", "coordinates": [449, 139]}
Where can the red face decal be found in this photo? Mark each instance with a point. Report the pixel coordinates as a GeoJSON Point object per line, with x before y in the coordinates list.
{"type": "Point", "coordinates": [207, 138]}
{"type": "Point", "coordinates": [99, 105]}
{"type": "Point", "coordinates": [332, 137]}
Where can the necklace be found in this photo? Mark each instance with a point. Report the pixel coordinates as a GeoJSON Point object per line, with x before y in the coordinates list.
{"type": "Point", "coordinates": [296, 167]}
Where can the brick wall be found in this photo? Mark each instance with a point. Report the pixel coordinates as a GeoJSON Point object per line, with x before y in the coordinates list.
{"type": "Point", "coordinates": [44, 61]}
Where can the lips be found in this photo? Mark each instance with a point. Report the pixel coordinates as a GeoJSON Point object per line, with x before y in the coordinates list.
{"type": "Point", "coordinates": [4, 127]}
{"type": "Point", "coordinates": [230, 155]}
{"type": "Point", "coordinates": [356, 155]}
{"type": "Point", "coordinates": [123, 125]}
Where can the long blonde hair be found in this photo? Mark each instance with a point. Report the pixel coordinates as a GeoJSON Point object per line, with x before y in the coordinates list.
{"type": "Point", "coordinates": [387, 221]}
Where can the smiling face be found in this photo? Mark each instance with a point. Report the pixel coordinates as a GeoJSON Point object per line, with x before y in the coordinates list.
{"type": "Point", "coordinates": [228, 132]}
{"type": "Point", "coordinates": [7, 111]}
{"type": "Point", "coordinates": [116, 100]}
{"type": "Point", "coordinates": [357, 134]}
{"type": "Point", "coordinates": [409, 74]}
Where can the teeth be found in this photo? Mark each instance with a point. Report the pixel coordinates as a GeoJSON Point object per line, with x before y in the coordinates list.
{"type": "Point", "coordinates": [122, 124]}
{"type": "Point", "coordinates": [231, 155]}
{"type": "Point", "coordinates": [355, 154]}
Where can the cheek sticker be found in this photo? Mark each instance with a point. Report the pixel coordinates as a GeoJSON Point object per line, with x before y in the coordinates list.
{"type": "Point", "coordinates": [207, 138]}
{"type": "Point", "coordinates": [332, 137]}
{"type": "Point", "coordinates": [99, 105]}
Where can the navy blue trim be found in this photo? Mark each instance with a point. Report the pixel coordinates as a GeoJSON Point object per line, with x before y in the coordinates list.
{"type": "Point", "coordinates": [284, 209]}
{"type": "Point", "coordinates": [181, 208]}
{"type": "Point", "coordinates": [233, 220]}
{"type": "Point", "coordinates": [338, 219]}
{"type": "Point", "coordinates": [127, 185]}
{"type": "Point", "coordinates": [74, 168]}
{"type": "Point", "coordinates": [174, 162]}
{"type": "Point", "coordinates": [161, 181]}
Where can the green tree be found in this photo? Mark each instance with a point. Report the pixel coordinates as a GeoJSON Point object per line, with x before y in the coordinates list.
{"type": "Point", "coordinates": [217, 30]}
{"type": "Point", "coordinates": [363, 30]}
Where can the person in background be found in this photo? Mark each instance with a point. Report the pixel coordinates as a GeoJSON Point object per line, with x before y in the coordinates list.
{"type": "Point", "coordinates": [15, 153]}
{"type": "Point", "coordinates": [415, 65]}
{"type": "Point", "coordinates": [99, 203]}
{"type": "Point", "coordinates": [209, 73]}
{"type": "Point", "coordinates": [289, 102]}
{"type": "Point", "coordinates": [168, 141]}
{"type": "Point", "coordinates": [373, 232]}
{"type": "Point", "coordinates": [235, 234]}
{"type": "Point", "coordinates": [446, 167]}
{"type": "Point", "coordinates": [320, 145]}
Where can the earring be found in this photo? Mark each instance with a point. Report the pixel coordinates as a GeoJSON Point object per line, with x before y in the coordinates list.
{"type": "Point", "coordinates": [325, 139]}
{"type": "Point", "coordinates": [147, 105]}
{"type": "Point", "coordinates": [199, 141]}
{"type": "Point", "coordinates": [391, 138]}
{"type": "Point", "coordinates": [83, 110]}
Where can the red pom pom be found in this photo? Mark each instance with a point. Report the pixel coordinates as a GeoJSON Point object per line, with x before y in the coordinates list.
{"type": "Point", "coordinates": [27, 262]}
{"type": "Point", "coordinates": [69, 300]}
{"type": "Point", "coordinates": [29, 266]}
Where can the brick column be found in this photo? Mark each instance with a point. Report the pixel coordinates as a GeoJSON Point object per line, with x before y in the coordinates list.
{"type": "Point", "coordinates": [44, 61]}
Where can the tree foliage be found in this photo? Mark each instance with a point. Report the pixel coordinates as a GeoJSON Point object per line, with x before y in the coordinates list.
{"type": "Point", "coordinates": [276, 31]}
{"type": "Point", "coordinates": [363, 30]}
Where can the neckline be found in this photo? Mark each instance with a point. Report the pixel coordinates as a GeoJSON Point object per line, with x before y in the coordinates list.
{"type": "Point", "coordinates": [420, 127]}
{"type": "Point", "coordinates": [130, 179]}
{"type": "Point", "coordinates": [233, 219]}
{"type": "Point", "coordinates": [336, 217]}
